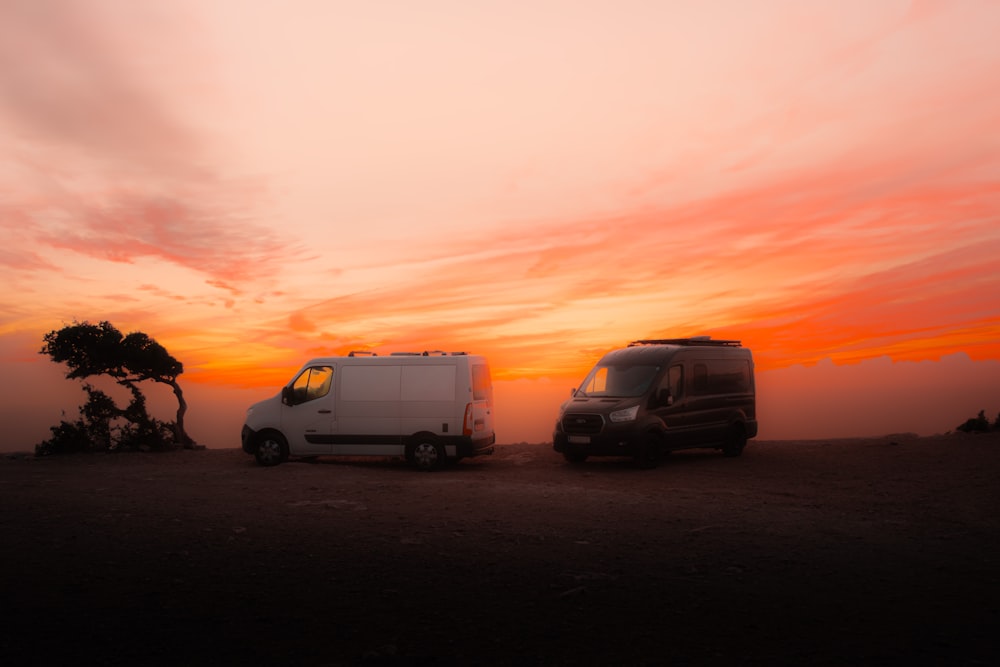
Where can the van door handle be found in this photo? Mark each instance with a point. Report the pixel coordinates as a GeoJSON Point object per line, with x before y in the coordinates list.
{"type": "Point", "coordinates": [324, 412]}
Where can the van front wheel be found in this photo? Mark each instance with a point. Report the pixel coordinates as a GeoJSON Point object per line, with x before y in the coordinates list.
{"type": "Point", "coordinates": [425, 455]}
{"type": "Point", "coordinates": [271, 450]}
{"type": "Point", "coordinates": [649, 452]}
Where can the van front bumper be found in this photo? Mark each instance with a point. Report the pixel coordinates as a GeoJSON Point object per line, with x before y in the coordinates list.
{"type": "Point", "coordinates": [246, 437]}
{"type": "Point", "coordinates": [606, 443]}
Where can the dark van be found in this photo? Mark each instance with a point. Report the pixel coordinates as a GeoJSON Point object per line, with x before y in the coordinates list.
{"type": "Point", "coordinates": [657, 396]}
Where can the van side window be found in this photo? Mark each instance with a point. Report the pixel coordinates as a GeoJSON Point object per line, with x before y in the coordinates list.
{"type": "Point", "coordinates": [731, 377]}
{"type": "Point", "coordinates": [675, 378]}
{"type": "Point", "coordinates": [722, 376]}
{"type": "Point", "coordinates": [311, 384]}
{"type": "Point", "coordinates": [482, 385]}
{"type": "Point", "coordinates": [700, 380]}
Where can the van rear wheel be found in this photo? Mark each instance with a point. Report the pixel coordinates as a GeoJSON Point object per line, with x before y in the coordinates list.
{"type": "Point", "coordinates": [425, 455]}
{"type": "Point", "coordinates": [735, 442]}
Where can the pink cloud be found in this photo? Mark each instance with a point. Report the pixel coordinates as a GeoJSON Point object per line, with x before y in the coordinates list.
{"type": "Point", "coordinates": [68, 87]}
{"type": "Point", "coordinates": [108, 164]}
{"type": "Point", "coordinates": [131, 228]}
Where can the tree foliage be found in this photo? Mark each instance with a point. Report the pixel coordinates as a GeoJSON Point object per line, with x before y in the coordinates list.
{"type": "Point", "coordinates": [101, 349]}
{"type": "Point", "coordinates": [90, 350]}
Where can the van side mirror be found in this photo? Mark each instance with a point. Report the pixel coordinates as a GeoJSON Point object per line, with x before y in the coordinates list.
{"type": "Point", "coordinates": [572, 392]}
{"type": "Point", "coordinates": [286, 395]}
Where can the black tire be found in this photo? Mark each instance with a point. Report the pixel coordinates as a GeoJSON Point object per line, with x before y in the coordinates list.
{"type": "Point", "coordinates": [270, 449]}
{"type": "Point", "coordinates": [426, 454]}
{"type": "Point", "coordinates": [574, 456]}
{"type": "Point", "coordinates": [650, 452]}
{"type": "Point", "coordinates": [735, 442]}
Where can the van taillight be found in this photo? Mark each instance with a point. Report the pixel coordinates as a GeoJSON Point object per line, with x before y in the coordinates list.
{"type": "Point", "coordinates": [467, 421]}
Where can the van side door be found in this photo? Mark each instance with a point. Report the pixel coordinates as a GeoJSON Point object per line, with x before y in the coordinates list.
{"type": "Point", "coordinates": [369, 418]}
{"type": "Point", "coordinates": [308, 418]}
{"type": "Point", "coordinates": [670, 402]}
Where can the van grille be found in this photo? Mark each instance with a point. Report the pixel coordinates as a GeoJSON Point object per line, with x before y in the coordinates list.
{"type": "Point", "coordinates": [582, 423]}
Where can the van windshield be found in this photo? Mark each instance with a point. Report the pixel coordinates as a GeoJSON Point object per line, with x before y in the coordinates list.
{"type": "Point", "coordinates": [618, 381]}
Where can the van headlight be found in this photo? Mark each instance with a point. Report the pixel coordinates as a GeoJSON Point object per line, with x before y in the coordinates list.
{"type": "Point", "coordinates": [626, 415]}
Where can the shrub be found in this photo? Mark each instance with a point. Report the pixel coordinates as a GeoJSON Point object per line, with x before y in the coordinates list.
{"type": "Point", "coordinates": [153, 435]}
{"type": "Point", "coordinates": [67, 438]}
{"type": "Point", "coordinates": [104, 427]}
{"type": "Point", "coordinates": [977, 424]}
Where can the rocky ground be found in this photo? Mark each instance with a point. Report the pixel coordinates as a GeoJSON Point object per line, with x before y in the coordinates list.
{"type": "Point", "coordinates": [879, 552]}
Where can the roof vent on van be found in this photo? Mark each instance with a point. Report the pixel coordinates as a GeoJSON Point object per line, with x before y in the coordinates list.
{"type": "Point", "coordinates": [358, 353]}
{"type": "Point", "coordinates": [694, 340]}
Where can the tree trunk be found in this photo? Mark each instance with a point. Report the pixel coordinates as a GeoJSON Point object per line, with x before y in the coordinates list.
{"type": "Point", "coordinates": [180, 434]}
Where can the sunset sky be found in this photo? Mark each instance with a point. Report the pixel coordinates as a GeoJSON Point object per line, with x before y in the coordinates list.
{"type": "Point", "coordinates": [255, 183]}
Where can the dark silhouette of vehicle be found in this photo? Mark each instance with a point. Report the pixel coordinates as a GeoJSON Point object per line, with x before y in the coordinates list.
{"type": "Point", "coordinates": [658, 396]}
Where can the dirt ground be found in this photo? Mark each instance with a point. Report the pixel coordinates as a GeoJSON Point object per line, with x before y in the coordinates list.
{"type": "Point", "coordinates": [852, 552]}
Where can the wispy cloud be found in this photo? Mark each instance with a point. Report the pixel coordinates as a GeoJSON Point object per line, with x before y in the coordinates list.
{"type": "Point", "coordinates": [129, 229]}
{"type": "Point", "coordinates": [108, 166]}
{"type": "Point", "coordinates": [70, 88]}
{"type": "Point", "coordinates": [810, 267]}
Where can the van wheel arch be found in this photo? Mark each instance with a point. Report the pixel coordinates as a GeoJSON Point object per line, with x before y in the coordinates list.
{"type": "Point", "coordinates": [270, 448]}
{"type": "Point", "coordinates": [425, 452]}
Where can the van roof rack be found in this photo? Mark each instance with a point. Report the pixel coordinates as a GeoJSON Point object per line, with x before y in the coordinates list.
{"type": "Point", "coordinates": [425, 353]}
{"type": "Point", "coordinates": [694, 340]}
{"type": "Point", "coordinates": [359, 353]}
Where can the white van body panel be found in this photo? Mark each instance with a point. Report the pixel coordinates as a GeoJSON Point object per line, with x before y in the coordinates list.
{"type": "Point", "coordinates": [380, 406]}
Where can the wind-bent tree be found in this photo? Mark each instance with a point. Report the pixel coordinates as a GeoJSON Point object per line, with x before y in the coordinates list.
{"type": "Point", "coordinates": [101, 349]}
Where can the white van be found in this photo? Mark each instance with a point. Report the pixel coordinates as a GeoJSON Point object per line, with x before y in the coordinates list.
{"type": "Point", "coordinates": [430, 407]}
